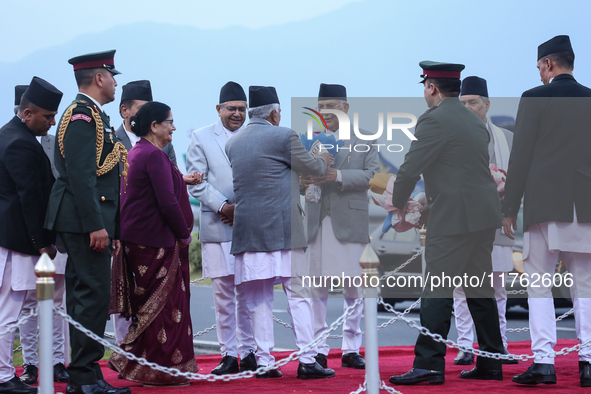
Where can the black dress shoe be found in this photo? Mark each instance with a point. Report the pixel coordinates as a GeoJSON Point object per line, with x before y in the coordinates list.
{"type": "Point", "coordinates": [108, 389]}
{"type": "Point", "coordinates": [73, 388]}
{"type": "Point", "coordinates": [507, 362]}
{"type": "Point", "coordinates": [60, 374]}
{"type": "Point", "coordinates": [585, 373]}
{"type": "Point", "coordinates": [353, 360]}
{"type": "Point", "coordinates": [418, 375]}
{"type": "Point", "coordinates": [16, 386]}
{"type": "Point", "coordinates": [274, 373]}
{"type": "Point", "coordinates": [322, 360]}
{"type": "Point", "coordinates": [464, 358]}
{"type": "Point", "coordinates": [537, 373]}
{"type": "Point", "coordinates": [314, 371]}
{"type": "Point", "coordinates": [482, 374]}
{"type": "Point", "coordinates": [248, 363]}
{"type": "Point", "coordinates": [228, 365]}
{"type": "Point", "coordinates": [30, 374]}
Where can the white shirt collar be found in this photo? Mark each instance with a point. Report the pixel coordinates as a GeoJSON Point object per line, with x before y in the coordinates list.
{"type": "Point", "coordinates": [132, 137]}
{"type": "Point", "coordinates": [229, 133]}
{"type": "Point", "coordinates": [93, 100]}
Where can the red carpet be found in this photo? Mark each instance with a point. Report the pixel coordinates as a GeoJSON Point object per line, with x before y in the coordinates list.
{"type": "Point", "coordinates": [393, 360]}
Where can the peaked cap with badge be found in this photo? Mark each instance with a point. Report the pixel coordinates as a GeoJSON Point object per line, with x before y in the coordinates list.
{"type": "Point", "coordinates": [104, 59]}
{"type": "Point", "coordinates": [440, 70]}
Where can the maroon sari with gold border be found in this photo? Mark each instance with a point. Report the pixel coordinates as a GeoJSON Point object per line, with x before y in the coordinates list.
{"type": "Point", "coordinates": [157, 282]}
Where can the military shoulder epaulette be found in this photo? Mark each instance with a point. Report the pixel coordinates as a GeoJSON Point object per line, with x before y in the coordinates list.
{"type": "Point", "coordinates": [119, 153]}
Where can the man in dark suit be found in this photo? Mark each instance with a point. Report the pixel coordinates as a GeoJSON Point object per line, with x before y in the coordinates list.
{"type": "Point", "coordinates": [268, 238]}
{"type": "Point", "coordinates": [29, 329]}
{"type": "Point", "coordinates": [451, 151]}
{"type": "Point", "coordinates": [84, 210]}
{"type": "Point", "coordinates": [25, 185]}
{"type": "Point", "coordinates": [550, 163]}
{"type": "Point", "coordinates": [134, 95]}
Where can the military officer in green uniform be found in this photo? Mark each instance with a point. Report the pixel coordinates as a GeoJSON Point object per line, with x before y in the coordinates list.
{"type": "Point", "coordinates": [84, 210]}
{"type": "Point", "coordinates": [451, 151]}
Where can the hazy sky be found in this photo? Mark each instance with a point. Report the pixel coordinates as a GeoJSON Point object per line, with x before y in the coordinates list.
{"type": "Point", "coordinates": [55, 22]}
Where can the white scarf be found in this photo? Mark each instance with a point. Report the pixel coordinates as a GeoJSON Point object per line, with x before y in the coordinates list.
{"type": "Point", "coordinates": [500, 146]}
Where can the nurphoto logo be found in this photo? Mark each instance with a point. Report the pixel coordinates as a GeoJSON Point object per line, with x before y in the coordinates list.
{"type": "Point", "coordinates": [345, 128]}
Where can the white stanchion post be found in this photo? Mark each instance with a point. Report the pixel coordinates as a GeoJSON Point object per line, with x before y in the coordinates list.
{"type": "Point", "coordinates": [44, 269]}
{"type": "Point", "coordinates": [369, 262]}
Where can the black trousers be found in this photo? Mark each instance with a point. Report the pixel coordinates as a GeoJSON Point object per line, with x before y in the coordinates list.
{"type": "Point", "coordinates": [466, 256]}
{"type": "Point", "coordinates": [88, 286]}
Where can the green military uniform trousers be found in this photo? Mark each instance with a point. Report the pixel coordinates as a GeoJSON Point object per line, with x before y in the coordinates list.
{"type": "Point", "coordinates": [88, 285]}
{"type": "Point", "coordinates": [456, 255]}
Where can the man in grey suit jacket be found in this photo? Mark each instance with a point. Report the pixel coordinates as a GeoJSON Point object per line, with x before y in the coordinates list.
{"type": "Point", "coordinates": [206, 155]}
{"type": "Point", "coordinates": [268, 238]}
{"type": "Point", "coordinates": [338, 226]}
{"type": "Point", "coordinates": [135, 94]}
{"type": "Point", "coordinates": [474, 95]}
{"type": "Point", "coordinates": [29, 330]}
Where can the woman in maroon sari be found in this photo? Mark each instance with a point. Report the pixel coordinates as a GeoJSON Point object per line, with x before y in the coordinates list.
{"type": "Point", "coordinates": [150, 281]}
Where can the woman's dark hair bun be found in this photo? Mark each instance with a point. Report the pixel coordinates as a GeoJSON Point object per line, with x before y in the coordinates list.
{"type": "Point", "coordinates": [135, 124]}
{"type": "Point", "coordinates": [146, 115]}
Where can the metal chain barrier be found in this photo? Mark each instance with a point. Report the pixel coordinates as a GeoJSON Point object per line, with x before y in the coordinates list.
{"type": "Point", "coordinates": [383, 325]}
{"type": "Point", "coordinates": [526, 329]}
{"type": "Point", "coordinates": [517, 292]}
{"type": "Point", "coordinates": [389, 389]}
{"type": "Point", "coordinates": [478, 352]}
{"type": "Point", "coordinates": [287, 325]}
{"type": "Point", "coordinates": [393, 320]}
{"type": "Point", "coordinates": [23, 319]}
{"type": "Point", "coordinates": [210, 377]}
{"type": "Point", "coordinates": [401, 266]}
{"type": "Point", "coordinates": [363, 387]}
{"type": "Point", "coordinates": [205, 331]}
{"type": "Point", "coordinates": [194, 282]}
